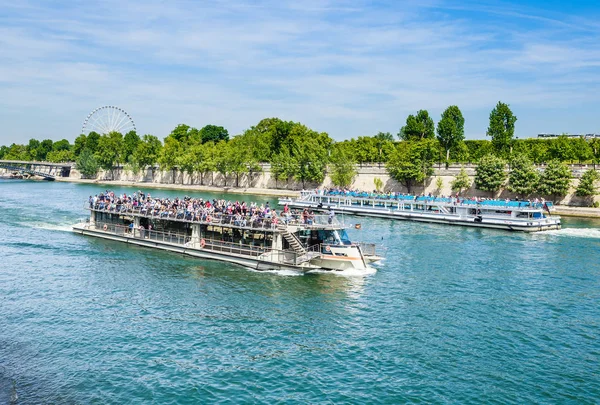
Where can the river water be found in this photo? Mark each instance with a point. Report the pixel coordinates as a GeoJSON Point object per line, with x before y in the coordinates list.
{"type": "Point", "coordinates": [451, 315]}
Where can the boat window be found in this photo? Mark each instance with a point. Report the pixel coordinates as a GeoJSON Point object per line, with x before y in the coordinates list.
{"type": "Point", "coordinates": [327, 236]}
{"type": "Point", "coordinates": [342, 237]}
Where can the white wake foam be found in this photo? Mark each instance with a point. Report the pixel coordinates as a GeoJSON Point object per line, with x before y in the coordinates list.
{"type": "Point", "coordinates": [284, 273]}
{"type": "Point", "coordinates": [347, 273]}
{"type": "Point", "coordinates": [50, 227]}
{"type": "Point", "coordinates": [592, 233]}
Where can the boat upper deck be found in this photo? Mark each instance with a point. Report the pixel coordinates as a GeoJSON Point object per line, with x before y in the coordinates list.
{"type": "Point", "coordinates": [357, 197]}
{"type": "Point", "coordinates": [252, 218]}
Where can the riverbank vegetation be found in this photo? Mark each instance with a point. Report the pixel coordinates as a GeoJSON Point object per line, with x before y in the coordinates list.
{"type": "Point", "coordinates": [296, 152]}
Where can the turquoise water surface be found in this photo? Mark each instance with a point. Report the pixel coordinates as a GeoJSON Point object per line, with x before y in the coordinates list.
{"type": "Point", "coordinates": [452, 315]}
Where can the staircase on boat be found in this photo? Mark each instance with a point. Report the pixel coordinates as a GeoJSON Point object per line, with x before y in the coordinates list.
{"type": "Point", "coordinates": [303, 254]}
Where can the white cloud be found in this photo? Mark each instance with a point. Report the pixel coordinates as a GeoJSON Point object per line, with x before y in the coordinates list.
{"type": "Point", "coordinates": [348, 68]}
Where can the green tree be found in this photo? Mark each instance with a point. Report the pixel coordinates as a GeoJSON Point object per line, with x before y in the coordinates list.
{"type": "Point", "coordinates": [561, 149]}
{"type": "Point", "coordinates": [17, 152]}
{"type": "Point", "coordinates": [489, 173]}
{"type": "Point", "coordinates": [460, 153]}
{"type": "Point", "coordinates": [451, 129]}
{"type": "Point", "coordinates": [169, 155]}
{"type": "Point", "coordinates": [556, 179]}
{"type": "Point", "coordinates": [343, 169]}
{"type": "Point", "coordinates": [206, 160]}
{"type": "Point", "coordinates": [187, 161]}
{"type": "Point", "coordinates": [478, 149]}
{"type": "Point", "coordinates": [79, 144]}
{"type": "Point", "coordinates": [3, 151]}
{"type": "Point", "coordinates": [32, 148]}
{"type": "Point", "coordinates": [311, 155]}
{"type": "Point", "coordinates": [130, 144]}
{"type": "Point", "coordinates": [44, 148]}
{"type": "Point", "coordinates": [383, 140]}
{"type": "Point", "coordinates": [588, 185]}
{"type": "Point", "coordinates": [582, 150]}
{"type": "Point", "coordinates": [502, 128]}
{"type": "Point", "coordinates": [365, 149]}
{"type": "Point", "coordinates": [240, 160]}
{"type": "Point", "coordinates": [61, 145]}
{"type": "Point", "coordinates": [412, 162]}
{"type": "Point", "coordinates": [269, 137]}
{"type": "Point", "coordinates": [91, 141]}
{"type": "Point", "coordinates": [57, 156]}
{"type": "Point", "coordinates": [595, 145]}
{"type": "Point", "coordinates": [523, 178]}
{"type": "Point", "coordinates": [86, 164]}
{"type": "Point", "coordinates": [147, 152]}
{"type": "Point", "coordinates": [439, 184]}
{"type": "Point", "coordinates": [180, 133]}
{"type": "Point", "coordinates": [461, 181]}
{"type": "Point", "coordinates": [418, 127]}
{"type": "Point", "coordinates": [109, 151]}
{"type": "Point", "coordinates": [283, 166]}
{"type": "Point", "coordinates": [213, 133]}
{"type": "Point", "coordinates": [378, 184]}
{"type": "Point", "coordinates": [535, 149]}
{"type": "Point", "coordinates": [221, 157]}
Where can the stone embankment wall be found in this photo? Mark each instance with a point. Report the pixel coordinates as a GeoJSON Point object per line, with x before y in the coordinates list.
{"type": "Point", "coordinates": [363, 181]}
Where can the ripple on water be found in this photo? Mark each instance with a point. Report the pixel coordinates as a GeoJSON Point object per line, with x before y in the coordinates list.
{"type": "Point", "coordinates": [451, 315]}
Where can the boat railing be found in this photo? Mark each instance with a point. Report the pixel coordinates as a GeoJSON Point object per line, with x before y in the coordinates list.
{"type": "Point", "coordinates": [246, 222]}
{"type": "Point", "coordinates": [142, 233]}
{"type": "Point", "coordinates": [367, 249]}
{"type": "Point", "coordinates": [213, 245]}
{"type": "Point", "coordinates": [386, 199]}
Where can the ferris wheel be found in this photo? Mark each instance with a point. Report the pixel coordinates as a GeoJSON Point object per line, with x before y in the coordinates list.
{"type": "Point", "coordinates": [108, 119]}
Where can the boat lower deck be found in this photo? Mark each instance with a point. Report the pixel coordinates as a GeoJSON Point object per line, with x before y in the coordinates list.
{"type": "Point", "coordinates": [247, 256]}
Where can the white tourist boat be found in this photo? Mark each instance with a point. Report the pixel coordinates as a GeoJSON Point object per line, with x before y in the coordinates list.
{"type": "Point", "coordinates": [287, 243]}
{"type": "Point", "coordinates": [522, 216]}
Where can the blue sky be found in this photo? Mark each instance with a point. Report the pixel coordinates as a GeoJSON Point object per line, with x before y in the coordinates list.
{"type": "Point", "coordinates": [349, 68]}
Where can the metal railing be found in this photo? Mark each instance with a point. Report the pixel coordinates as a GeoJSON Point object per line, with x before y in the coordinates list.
{"type": "Point", "coordinates": [393, 200]}
{"type": "Point", "coordinates": [368, 249]}
{"type": "Point", "coordinates": [219, 246]}
{"type": "Point", "coordinates": [237, 221]}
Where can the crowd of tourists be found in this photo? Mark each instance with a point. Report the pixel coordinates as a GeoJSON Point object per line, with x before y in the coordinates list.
{"type": "Point", "coordinates": [200, 210]}
{"type": "Point", "coordinates": [392, 195]}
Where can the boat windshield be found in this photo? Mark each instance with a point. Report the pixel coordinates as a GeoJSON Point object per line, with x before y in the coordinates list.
{"type": "Point", "coordinates": [338, 237]}
{"type": "Point", "coordinates": [343, 238]}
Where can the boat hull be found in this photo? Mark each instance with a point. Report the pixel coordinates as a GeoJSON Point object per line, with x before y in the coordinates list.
{"type": "Point", "coordinates": [252, 263]}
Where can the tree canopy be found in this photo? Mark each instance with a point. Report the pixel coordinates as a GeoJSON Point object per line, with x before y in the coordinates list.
{"type": "Point", "coordinates": [412, 162]}
{"type": "Point", "coordinates": [342, 169]}
{"type": "Point", "coordinates": [502, 128]}
{"type": "Point", "coordinates": [555, 180]}
{"type": "Point", "coordinates": [461, 182]}
{"type": "Point", "coordinates": [418, 127]}
{"type": "Point", "coordinates": [523, 178]}
{"type": "Point", "coordinates": [451, 129]}
{"type": "Point", "coordinates": [490, 174]}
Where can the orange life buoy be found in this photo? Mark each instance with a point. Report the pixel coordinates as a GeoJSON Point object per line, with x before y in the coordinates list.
{"type": "Point", "coordinates": [202, 242]}
{"type": "Point", "coordinates": [327, 249]}
{"type": "Point", "coordinates": [105, 227]}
